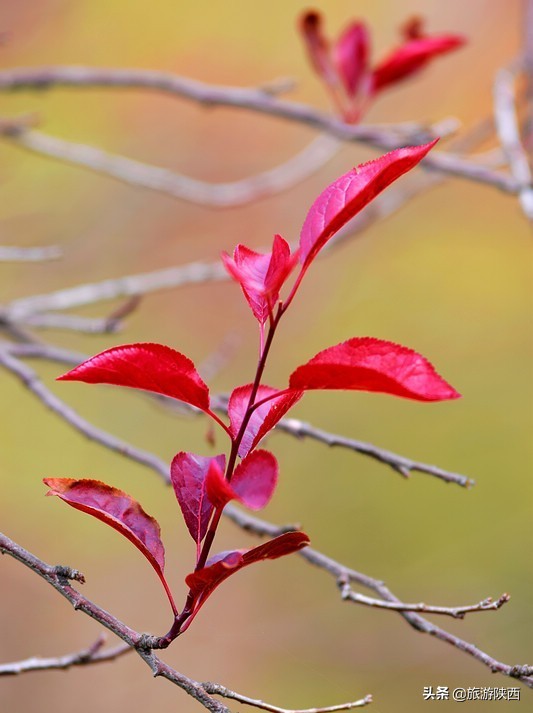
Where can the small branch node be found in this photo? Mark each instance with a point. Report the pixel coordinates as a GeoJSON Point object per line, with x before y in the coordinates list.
{"type": "Point", "coordinates": [67, 574]}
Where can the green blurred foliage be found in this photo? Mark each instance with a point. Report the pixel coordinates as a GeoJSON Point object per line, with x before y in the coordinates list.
{"type": "Point", "coordinates": [450, 276]}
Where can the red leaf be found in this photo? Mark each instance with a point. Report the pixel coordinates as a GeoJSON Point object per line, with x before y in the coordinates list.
{"type": "Point", "coordinates": [252, 484]}
{"type": "Point", "coordinates": [411, 57]}
{"type": "Point", "coordinates": [350, 193]}
{"type": "Point", "coordinates": [351, 57]}
{"type": "Point", "coordinates": [188, 473]}
{"type": "Point", "coordinates": [263, 418]}
{"type": "Point", "coordinates": [317, 45]}
{"type": "Point", "coordinates": [203, 582]}
{"type": "Point", "coordinates": [118, 510]}
{"type": "Point", "coordinates": [151, 367]}
{"type": "Point", "coordinates": [368, 364]}
{"type": "Point", "coordinates": [261, 276]}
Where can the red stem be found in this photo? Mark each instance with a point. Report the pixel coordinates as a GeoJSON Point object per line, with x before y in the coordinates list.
{"type": "Point", "coordinates": [213, 525]}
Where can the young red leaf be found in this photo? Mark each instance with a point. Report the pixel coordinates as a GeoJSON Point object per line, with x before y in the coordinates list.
{"type": "Point", "coordinates": [317, 46]}
{"type": "Point", "coordinates": [350, 193]}
{"type": "Point", "coordinates": [411, 57]}
{"type": "Point", "coordinates": [351, 56]}
{"type": "Point", "coordinates": [203, 582]}
{"type": "Point", "coordinates": [368, 364]}
{"type": "Point", "coordinates": [188, 473]}
{"type": "Point", "coordinates": [263, 418]}
{"type": "Point", "coordinates": [118, 510]}
{"type": "Point", "coordinates": [252, 484]}
{"type": "Point", "coordinates": [261, 276]}
{"type": "Point", "coordinates": [151, 367]}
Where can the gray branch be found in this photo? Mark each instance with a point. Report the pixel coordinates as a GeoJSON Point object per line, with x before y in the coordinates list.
{"type": "Point", "coordinates": [344, 574]}
{"type": "Point", "coordinates": [250, 99]}
{"type": "Point", "coordinates": [218, 690]}
{"type": "Point", "coordinates": [508, 128]}
{"type": "Point", "coordinates": [163, 180]}
{"type": "Point", "coordinates": [92, 655]}
{"type": "Point", "coordinates": [10, 253]}
{"type": "Point", "coordinates": [59, 578]}
{"type": "Point", "coordinates": [30, 379]}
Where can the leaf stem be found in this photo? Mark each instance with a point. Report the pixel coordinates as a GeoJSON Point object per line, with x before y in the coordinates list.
{"type": "Point", "coordinates": [236, 442]}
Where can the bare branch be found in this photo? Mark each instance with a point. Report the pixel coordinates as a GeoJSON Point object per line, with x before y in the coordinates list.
{"type": "Point", "coordinates": [143, 175]}
{"type": "Point", "coordinates": [402, 465]}
{"type": "Point", "coordinates": [456, 612]}
{"type": "Point", "coordinates": [22, 310]}
{"type": "Point", "coordinates": [249, 99]}
{"type": "Point", "coordinates": [528, 71]}
{"type": "Point", "coordinates": [129, 286]}
{"type": "Point", "coordinates": [71, 322]}
{"type": "Point", "coordinates": [30, 379]}
{"type": "Point", "coordinates": [341, 572]}
{"type": "Point", "coordinates": [91, 655]}
{"type": "Point", "coordinates": [59, 578]}
{"type": "Point", "coordinates": [218, 690]}
{"type": "Point", "coordinates": [508, 128]}
{"type": "Point", "coordinates": [16, 254]}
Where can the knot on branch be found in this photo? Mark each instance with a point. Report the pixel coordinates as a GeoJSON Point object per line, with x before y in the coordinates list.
{"type": "Point", "coordinates": [147, 642]}
{"type": "Point", "coordinates": [67, 574]}
{"type": "Point", "coordinates": [15, 127]}
{"type": "Point", "coordinates": [520, 671]}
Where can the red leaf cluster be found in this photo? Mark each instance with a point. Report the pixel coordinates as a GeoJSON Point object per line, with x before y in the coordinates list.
{"type": "Point", "coordinates": [205, 484]}
{"type": "Point", "coordinates": [345, 67]}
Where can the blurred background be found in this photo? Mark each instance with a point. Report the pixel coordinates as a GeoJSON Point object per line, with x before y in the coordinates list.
{"type": "Point", "coordinates": [448, 275]}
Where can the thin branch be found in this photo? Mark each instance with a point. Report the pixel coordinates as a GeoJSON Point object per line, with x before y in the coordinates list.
{"type": "Point", "coordinates": [252, 100]}
{"type": "Point", "coordinates": [91, 655]}
{"type": "Point", "coordinates": [16, 254]}
{"type": "Point", "coordinates": [129, 286]}
{"type": "Point", "coordinates": [30, 379]}
{"type": "Point", "coordinates": [59, 577]}
{"type": "Point", "coordinates": [71, 322]}
{"type": "Point", "coordinates": [340, 572]}
{"type": "Point", "coordinates": [456, 612]}
{"type": "Point", "coordinates": [508, 128]}
{"type": "Point", "coordinates": [527, 26]}
{"type": "Point", "coordinates": [23, 309]}
{"type": "Point", "coordinates": [216, 195]}
{"type": "Point", "coordinates": [402, 465]}
{"type": "Point", "coordinates": [218, 690]}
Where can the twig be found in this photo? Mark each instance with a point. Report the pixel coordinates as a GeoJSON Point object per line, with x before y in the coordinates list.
{"type": "Point", "coordinates": [402, 465]}
{"type": "Point", "coordinates": [341, 572]}
{"type": "Point", "coordinates": [22, 309]}
{"type": "Point", "coordinates": [59, 578]}
{"type": "Point", "coordinates": [143, 175]}
{"type": "Point", "coordinates": [88, 656]}
{"type": "Point", "coordinates": [129, 286]}
{"type": "Point", "coordinates": [251, 100]}
{"type": "Point", "coordinates": [218, 690]}
{"type": "Point", "coordinates": [30, 379]}
{"type": "Point", "coordinates": [456, 612]}
{"type": "Point", "coordinates": [15, 254]}
{"type": "Point", "coordinates": [71, 322]}
{"type": "Point", "coordinates": [508, 128]}
{"type": "Point", "coordinates": [528, 71]}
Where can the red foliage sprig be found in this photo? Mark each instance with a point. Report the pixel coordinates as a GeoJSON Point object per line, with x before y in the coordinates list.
{"type": "Point", "coordinates": [205, 484]}
{"type": "Point", "coordinates": [344, 65]}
